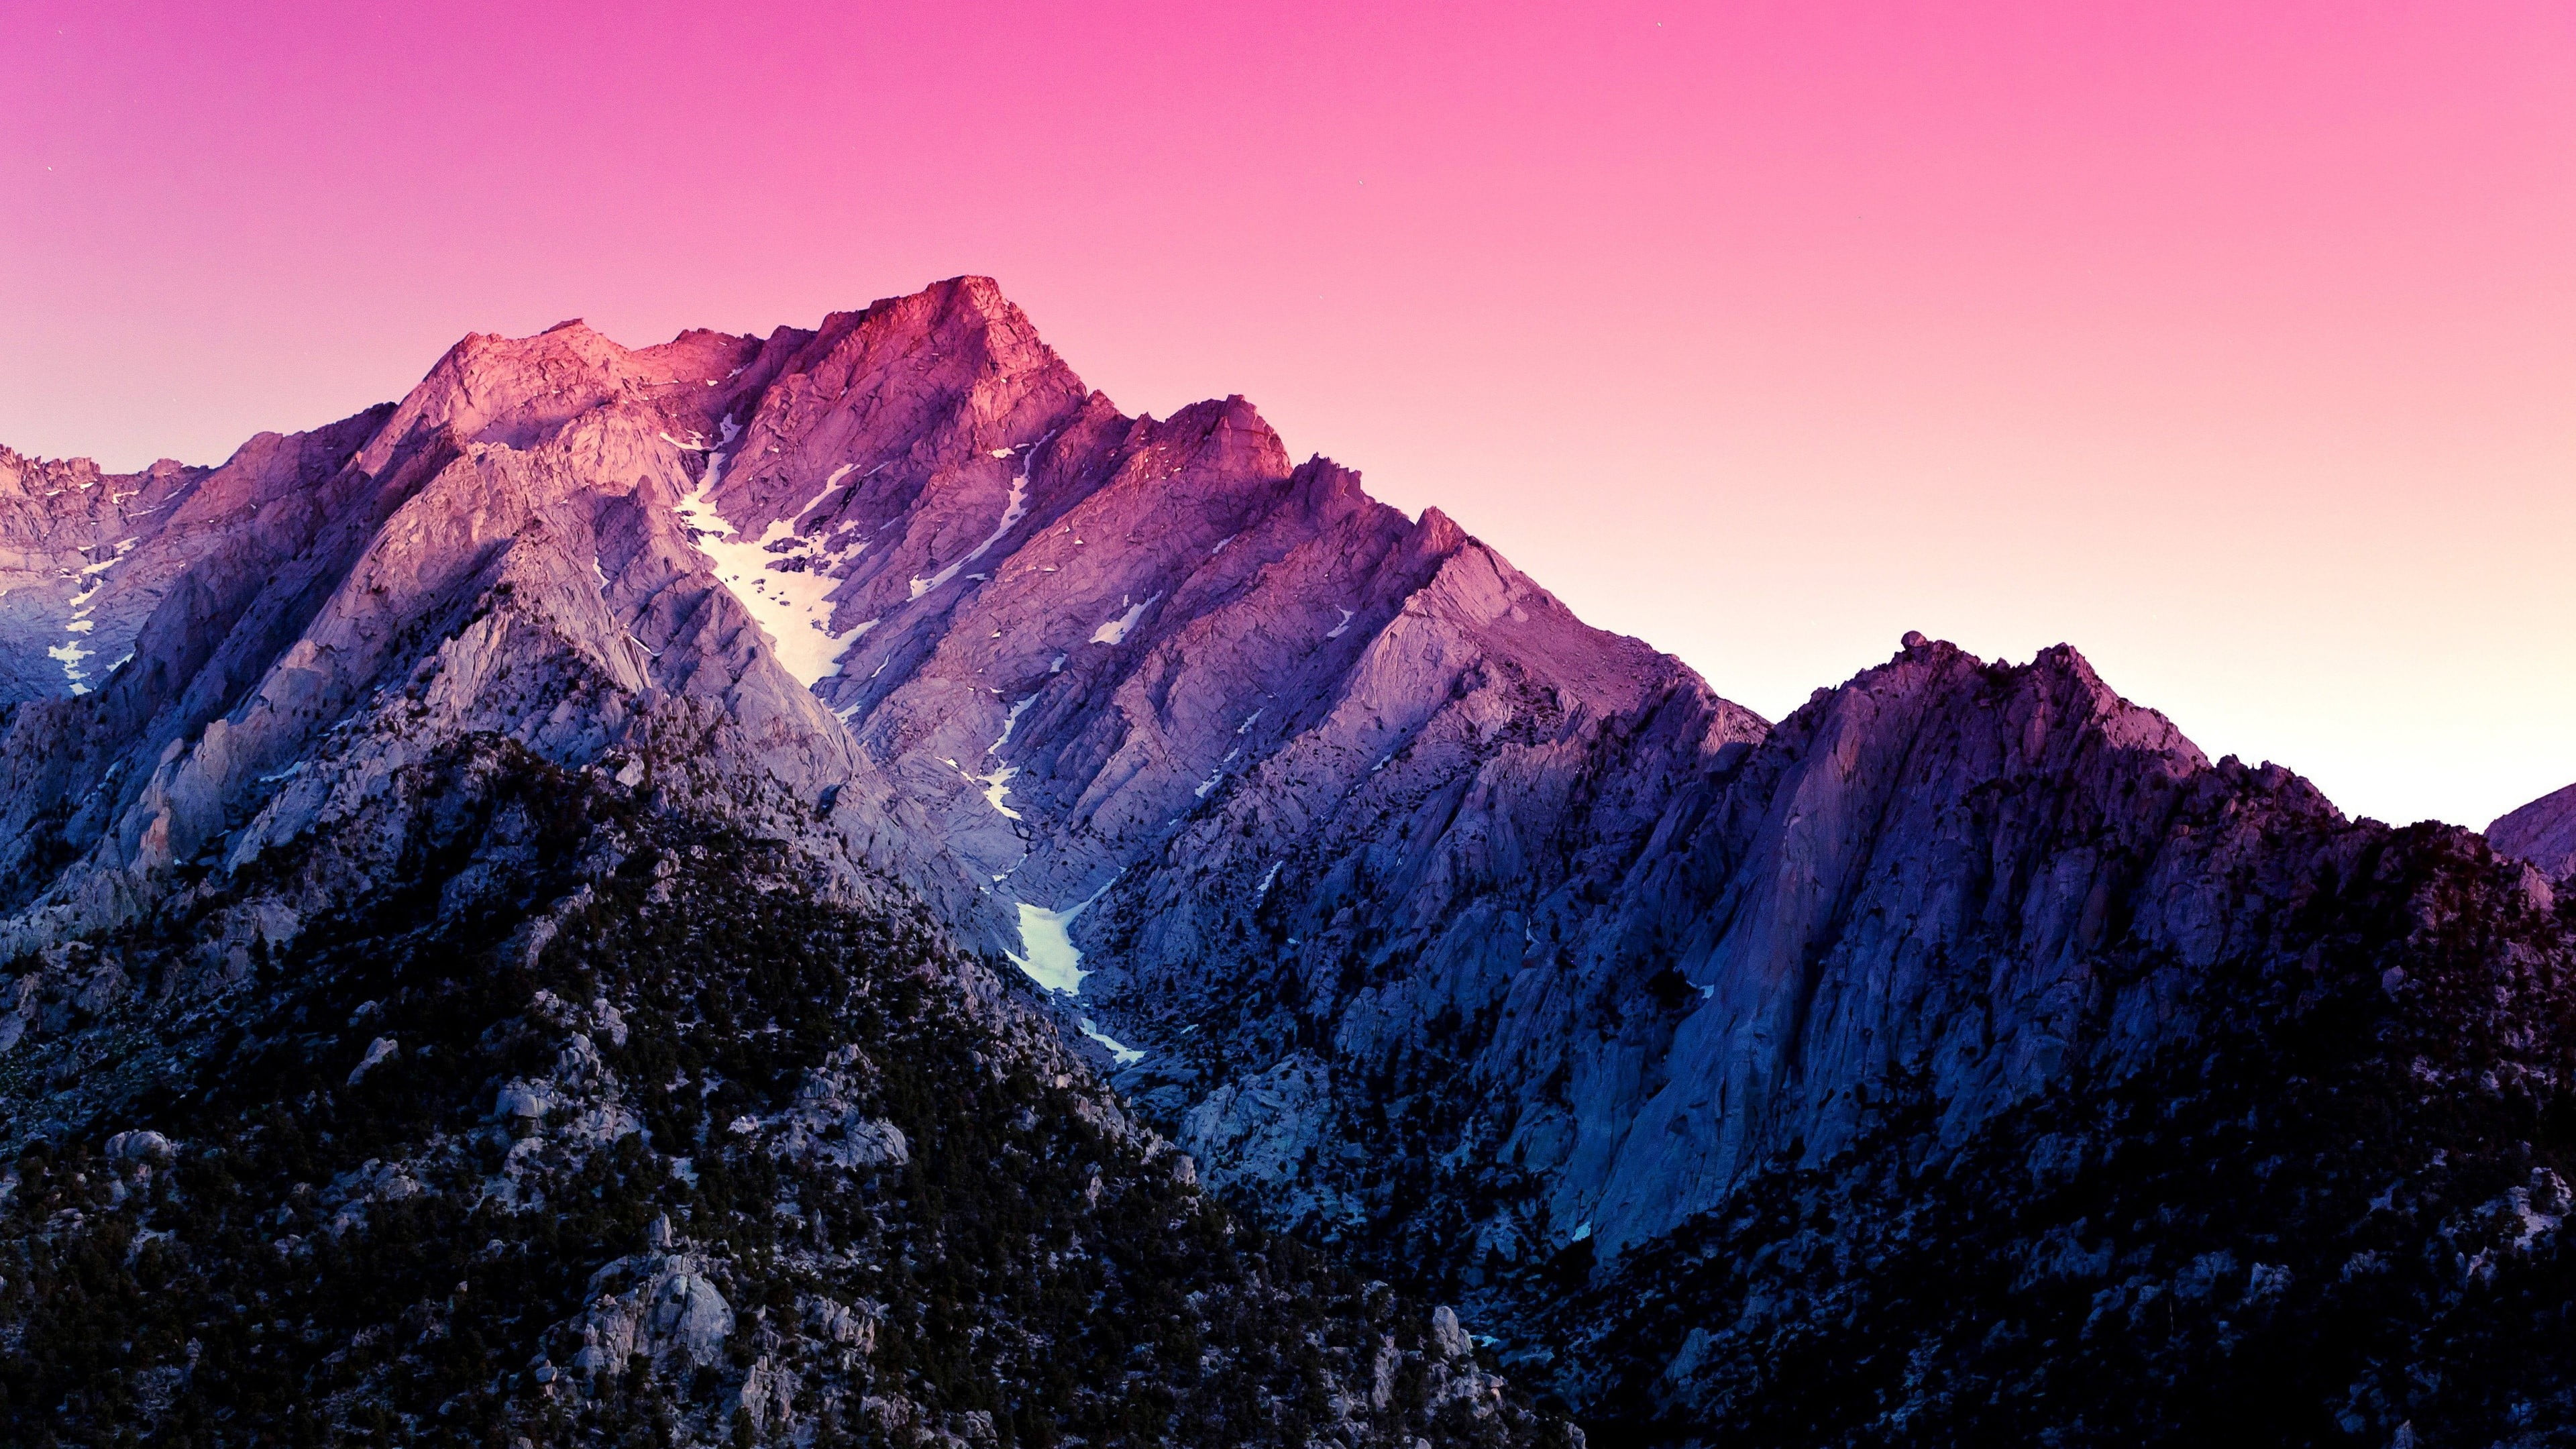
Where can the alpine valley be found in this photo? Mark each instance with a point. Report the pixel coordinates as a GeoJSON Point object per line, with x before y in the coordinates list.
{"type": "Point", "coordinates": [836, 889]}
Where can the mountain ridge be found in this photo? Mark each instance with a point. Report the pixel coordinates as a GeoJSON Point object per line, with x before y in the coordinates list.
{"type": "Point", "coordinates": [1496, 952]}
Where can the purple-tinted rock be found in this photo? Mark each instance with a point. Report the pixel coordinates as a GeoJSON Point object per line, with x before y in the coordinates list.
{"type": "Point", "coordinates": [1387, 862]}
{"type": "Point", "coordinates": [2542, 832]}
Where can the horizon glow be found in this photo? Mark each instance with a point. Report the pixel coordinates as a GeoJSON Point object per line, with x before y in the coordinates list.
{"type": "Point", "coordinates": [2234, 345]}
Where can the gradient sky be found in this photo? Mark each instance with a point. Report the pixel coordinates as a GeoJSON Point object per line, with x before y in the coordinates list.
{"type": "Point", "coordinates": [2235, 344]}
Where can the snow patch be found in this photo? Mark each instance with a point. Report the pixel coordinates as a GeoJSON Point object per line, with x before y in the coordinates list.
{"type": "Point", "coordinates": [1010, 722]}
{"type": "Point", "coordinates": [996, 783]}
{"type": "Point", "coordinates": [1054, 962]}
{"type": "Point", "coordinates": [1115, 631]}
{"type": "Point", "coordinates": [70, 653]}
{"type": "Point", "coordinates": [1335, 632]}
{"type": "Point", "coordinates": [1219, 773]}
{"type": "Point", "coordinates": [1015, 508]}
{"type": "Point", "coordinates": [793, 604]}
{"type": "Point", "coordinates": [1125, 1055]}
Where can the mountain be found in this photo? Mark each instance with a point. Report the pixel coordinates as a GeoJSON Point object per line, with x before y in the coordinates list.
{"type": "Point", "coordinates": [2289, 1166]}
{"type": "Point", "coordinates": [1868, 1080]}
{"type": "Point", "coordinates": [464, 984]}
{"type": "Point", "coordinates": [2542, 832]}
{"type": "Point", "coordinates": [1172, 847]}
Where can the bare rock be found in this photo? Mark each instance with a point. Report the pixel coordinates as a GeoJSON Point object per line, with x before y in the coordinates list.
{"type": "Point", "coordinates": [139, 1146]}
{"type": "Point", "coordinates": [524, 1100]}
{"type": "Point", "coordinates": [769, 1396]}
{"type": "Point", "coordinates": [2542, 832]}
{"type": "Point", "coordinates": [1447, 1336]}
{"type": "Point", "coordinates": [381, 1050]}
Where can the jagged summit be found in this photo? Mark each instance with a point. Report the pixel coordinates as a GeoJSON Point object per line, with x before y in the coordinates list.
{"type": "Point", "coordinates": [914, 517]}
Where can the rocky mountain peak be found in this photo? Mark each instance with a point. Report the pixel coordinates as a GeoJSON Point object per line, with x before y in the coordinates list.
{"type": "Point", "coordinates": [518, 392]}
{"type": "Point", "coordinates": [1221, 442]}
{"type": "Point", "coordinates": [950, 329]}
{"type": "Point", "coordinates": [2056, 698]}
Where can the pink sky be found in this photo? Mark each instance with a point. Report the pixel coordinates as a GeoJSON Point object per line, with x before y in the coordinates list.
{"type": "Point", "coordinates": [2235, 344]}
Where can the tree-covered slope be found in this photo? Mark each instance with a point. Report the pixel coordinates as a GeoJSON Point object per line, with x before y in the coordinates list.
{"type": "Point", "coordinates": [2330, 1216]}
{"type": "Point", "coordinates": [614, 1126]}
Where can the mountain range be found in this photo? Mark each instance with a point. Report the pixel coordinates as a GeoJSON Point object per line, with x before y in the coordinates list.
{"type": "Point", "coordinates": [836, 887]}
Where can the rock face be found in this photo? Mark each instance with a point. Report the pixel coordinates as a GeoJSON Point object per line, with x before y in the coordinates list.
{"type": "Point", "coordinates": [83, 557]}
{"type": "Point", "coordinates": [503, 551]}
{"type": "Point", "coordinates": [1494, 949]}
{"type": "Point", "coordinates": [2542, 832]}
{"type": "Point", "coordinates": [1689, 950]}
{"type": "Point", "coordinates": [2325, 1207]}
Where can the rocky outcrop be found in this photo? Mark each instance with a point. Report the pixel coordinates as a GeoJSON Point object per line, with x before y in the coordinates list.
{"type": "Point", "coordinates": [661, 1306]}
{"type": "Point", "coordinates": [2542, 832]}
